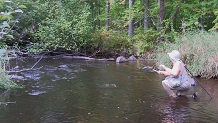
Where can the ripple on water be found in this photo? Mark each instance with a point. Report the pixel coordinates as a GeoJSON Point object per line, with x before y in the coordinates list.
{"type": "Point", "coordinates": [34, 75]}
{"type": "Point", "coordinates": [36, 92]}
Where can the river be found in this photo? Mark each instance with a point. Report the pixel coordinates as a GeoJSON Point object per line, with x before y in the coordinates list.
{"type": "Point", "coordinates": [67, 90]}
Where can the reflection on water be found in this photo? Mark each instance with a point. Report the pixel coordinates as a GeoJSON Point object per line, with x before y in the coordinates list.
{"type": "Point", "coordinates": [68, 90]}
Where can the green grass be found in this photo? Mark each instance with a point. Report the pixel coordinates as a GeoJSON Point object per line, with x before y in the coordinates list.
{"type": "Point", "coordinates": [199, 52]}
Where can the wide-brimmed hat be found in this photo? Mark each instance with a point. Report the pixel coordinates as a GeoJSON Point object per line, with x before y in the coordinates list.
{"type": "Point", "coordinates": [175, 55]}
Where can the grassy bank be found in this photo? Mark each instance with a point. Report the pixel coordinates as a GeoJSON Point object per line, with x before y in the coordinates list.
{"type": "Point", "coordinates": [199, 52]}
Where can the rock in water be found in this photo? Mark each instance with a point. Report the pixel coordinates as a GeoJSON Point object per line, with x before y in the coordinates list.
{"type": "Point", "coordinates": [121, 59]}
{"type": "Point", "coordinates": [132, 58]}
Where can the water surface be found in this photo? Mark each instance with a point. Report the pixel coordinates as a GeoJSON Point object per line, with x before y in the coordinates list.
{"type": "Point", "coordinates": [81, 91]}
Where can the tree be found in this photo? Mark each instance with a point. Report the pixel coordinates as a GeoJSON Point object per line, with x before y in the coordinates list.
{"type": "Point", "coordinates": [107, 14]}
{"type": "Point", "coordinates": [67, 26]}
{"type": "Point", "coordinates": [146, 14]}
{"type": "Point", "coordinates": [131, 24]}
{"type": "Point", "coordinates": [70, 24]}
{"type": "Point", "coordinates": [9, 17]}
{"type": "Point", "coordinates": [175, 12]}
{"type": "Point", "coordinates": [161, 13]}
{"type": "Point", "coordinates": [99, 13]}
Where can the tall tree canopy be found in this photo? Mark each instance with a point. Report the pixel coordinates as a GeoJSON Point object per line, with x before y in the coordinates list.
{"type": "Point", "coordinates": [80, 25]}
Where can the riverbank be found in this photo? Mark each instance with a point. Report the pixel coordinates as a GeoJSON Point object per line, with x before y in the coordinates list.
{"type": "Point", "coordinates": [198, 51]}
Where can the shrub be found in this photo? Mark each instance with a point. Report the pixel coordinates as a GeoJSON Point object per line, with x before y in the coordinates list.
{"type": "Point", "coordinates": [111, 41]}
{"type": "Point", "coordinates": [199, 52]}
{"type": "Point", "coordinates": [9, 18]}
{"type": "Point", "coordinates": [145, 41]}
{"type": "Point", "coordinates": [5, 81]}
{"type": "Point", "coordinates": [67, 26]}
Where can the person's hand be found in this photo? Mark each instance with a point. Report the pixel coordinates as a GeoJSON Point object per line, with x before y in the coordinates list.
{"type": "Point", "coordinates": [159, 72]}
{"type": "Point", "coordinates": [163, 66]}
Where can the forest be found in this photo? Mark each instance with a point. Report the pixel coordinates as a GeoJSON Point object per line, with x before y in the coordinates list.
{"type": "Point", "coordinates": [108, 28]}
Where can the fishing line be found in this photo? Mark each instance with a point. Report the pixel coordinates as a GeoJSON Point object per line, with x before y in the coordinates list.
{"type": "Point", "coordinates": [198, 82]}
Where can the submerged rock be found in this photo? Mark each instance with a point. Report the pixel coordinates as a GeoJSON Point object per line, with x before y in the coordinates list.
{"type": "Point", "coordinates": [16, 77]}
{"type": "Point", "coordinates": [16, 68]}
{"type": "Point", "coordinates": [35, 93]}
{"type": "Point", "coordinates": [132, 58]}
{"type": "Point", "coordinates": [62, 66]}
{"type": "Point", "coordinates": [121, 59]}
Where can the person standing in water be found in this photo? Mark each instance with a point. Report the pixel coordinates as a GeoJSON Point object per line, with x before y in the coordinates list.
{"type": "Point", "coordinates": [177, 81]}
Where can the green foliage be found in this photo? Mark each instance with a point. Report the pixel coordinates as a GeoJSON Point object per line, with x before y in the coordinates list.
{"type": "Point", "coordinates": [215, 27]}
{"type": "Point", "coordinates": [66, 26]}
{"type": "Point", "coordinates": [199, 52]}
{"type": "Point", "coordinates": [113, 41]}
{"type": "Point", "coordinates": [5, 81]}
{"type": "Point", "coordinates": [118, 15]}
{"type": "Point", "coordinates": [195, 11]}
{"type": "Point", "coordinates": [145, 41]}
{"type": "Point", "coordinates": [70, 24]}
{"type": "Point", "coordinates": [8, 18]}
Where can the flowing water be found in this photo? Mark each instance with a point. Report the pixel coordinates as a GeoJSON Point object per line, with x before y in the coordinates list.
{"type": "Point", "coordinates": [81, 91]}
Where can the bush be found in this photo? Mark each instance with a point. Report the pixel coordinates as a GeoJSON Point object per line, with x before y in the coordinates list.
{"type": "Point", "coordinates": [199, 53]}
{"type": "Point", "coordinates": [111, 41]}
{"type": "Point", "coordinates": [145, 41]}
{"type": "Point", "coordinates": [9, 18]}
{"type": "Point", "coordinates": [66, 25]}
{"type": "Point", "coordinates": [5, 81]}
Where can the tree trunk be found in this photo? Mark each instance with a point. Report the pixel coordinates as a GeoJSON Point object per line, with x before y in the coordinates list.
{"type": "Point", "coordinates": [161, 14]}
{"type": "Point", "coordinates": [123, 3]}
{"type": "Point", "coordinates": [172, 18]}
{"type": "Point", "coordinates": [99, 12]}
{"type": "Point", "coordinates": [107, 15]}
{"type": "Point", "coordinates": [131, 24]}
{"type": "Point", "coordinates": [146, 15]}
{"type": "Point", "coordinates": [160, 20]}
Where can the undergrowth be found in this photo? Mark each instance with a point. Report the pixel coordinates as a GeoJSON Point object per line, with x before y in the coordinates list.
{"type": "Point", "coordinates": [5, 81]}
{"type": "Point", "coordinates": [198, 50]}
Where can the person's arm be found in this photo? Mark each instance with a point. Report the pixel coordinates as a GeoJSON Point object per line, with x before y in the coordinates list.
{"type": "Point", "coordinates": [174, 71]}
{"type": "Point", "coordinates": [165, 73]}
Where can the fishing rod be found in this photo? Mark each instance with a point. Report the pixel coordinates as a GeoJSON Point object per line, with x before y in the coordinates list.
{"type": "Point", "coordinates": [192, 76]}
{"type": "Point", "coordinates": [149, 68]}
{"type": "Point", "coordinates": [198, 82]}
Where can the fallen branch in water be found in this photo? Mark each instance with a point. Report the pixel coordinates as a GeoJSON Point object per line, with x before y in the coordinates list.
{"type": "Point", "coordinates": [5, 103]}
{"type": "Point", "coordinates": [22, 70]}
{"type": "Point", "coordinates": [36, 62]}
{"type": "Point", "coordinates": [27, 69]}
